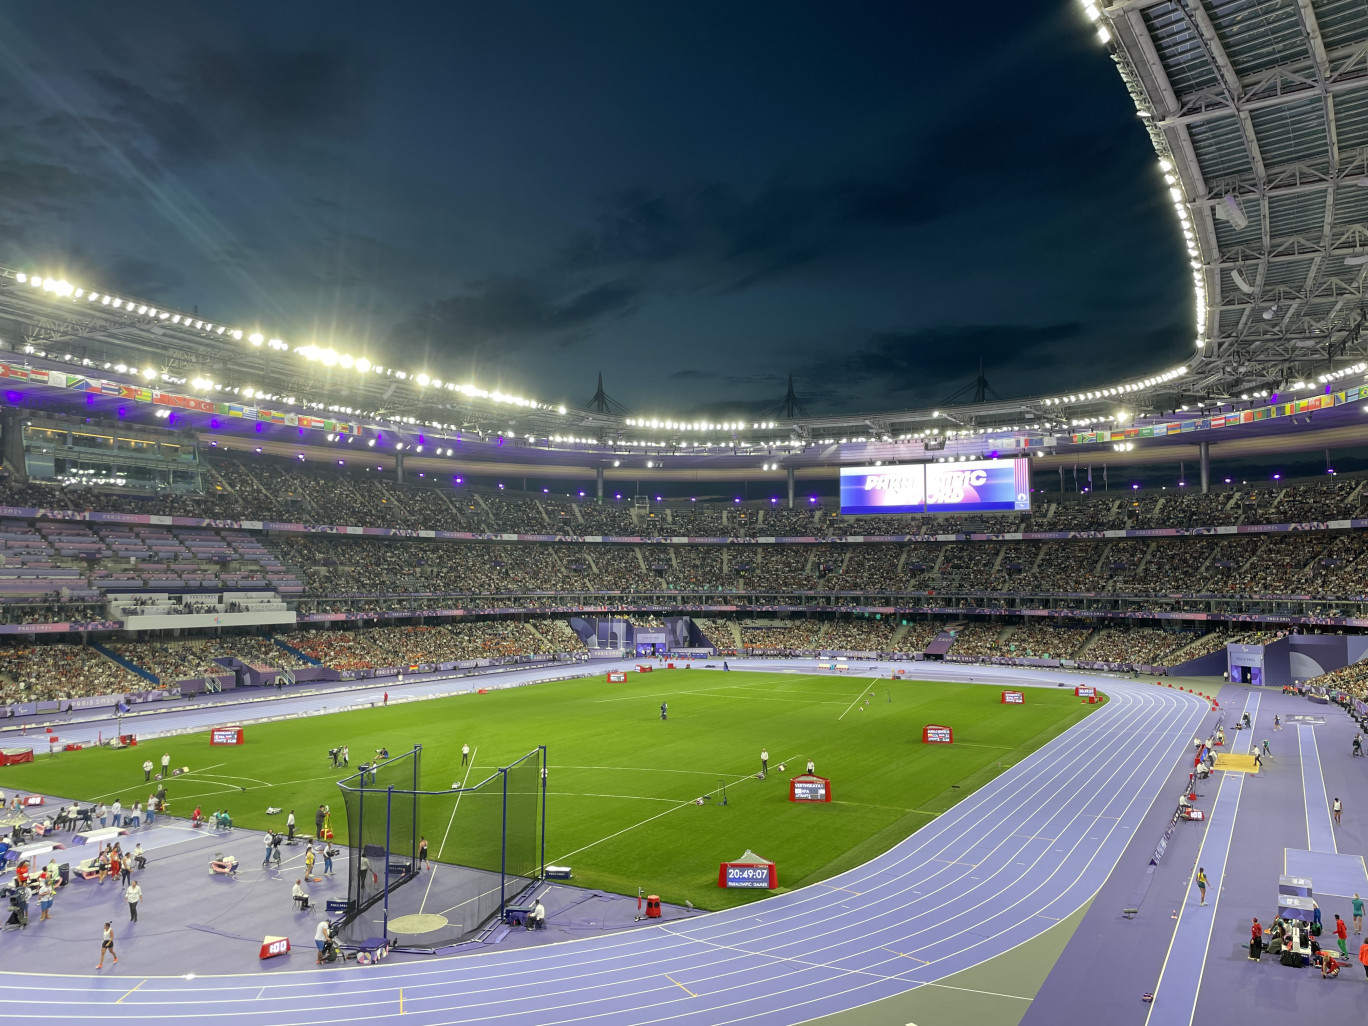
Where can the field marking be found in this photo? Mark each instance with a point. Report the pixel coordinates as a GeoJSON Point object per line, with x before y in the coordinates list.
{"type": "Point", "coordinates": [681, 986]}
{"type": "Point", "coordinates": [972, 990]}
{"type": "Point", "coordinates": [887, 808]}
{"type": "Point", "coordinates": [640, 769]}
{"type": "Point", "coordinates": [234, 776]}
{"type": "Point", "coordinates": [1221, 856]}
{"type": "Point", "coordinates": [590, 794]}
{"type": "Point", "coordinates": [432, 876]}
{"type": "Point", "coordinates": [846, 889]}
{"type": "Point", "coordinates": [148, 783]}
{"type": "Point", "coordinates": [650, 819]}
{"type": "Point", "coordinates": [861, 695]}
{"type": "Point", "coordinates": [904, 954]}
{"type": "Point", "coordinates": [120, 1001]}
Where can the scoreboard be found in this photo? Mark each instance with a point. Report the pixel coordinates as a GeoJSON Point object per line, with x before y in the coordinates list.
{"type": "Point", "coordinates": [980, 486]}
{"type": "Point", "coordinates": [934, 734]}
{"type": "Point", "coordinates": [748, 876]}
{"type": "Point", "coordinates": [808, 788]}
{"type": "Point", "coordinates": [225, 736]}
{"type": "Point", "coordinates": [1013, 698]}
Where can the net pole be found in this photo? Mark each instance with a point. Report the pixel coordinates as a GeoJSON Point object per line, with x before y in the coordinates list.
{"type": "Point", "coordinates": [503, 846]}
{"type": "Point", "coordinates": [413, 817]}
{"type": "Point", "coordinates": [359, 847]}
{"type": "Point", "coordinates": [389, 809]}
{"type": "Point", "coordinates": [543, 816]}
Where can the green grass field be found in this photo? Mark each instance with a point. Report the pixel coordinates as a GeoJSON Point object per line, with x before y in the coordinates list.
{"type": "Point", "coordinates": [618, 776]}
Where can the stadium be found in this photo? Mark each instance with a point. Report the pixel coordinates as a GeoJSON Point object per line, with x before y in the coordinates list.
{"type": "Point", "coordinates": [901, 716]}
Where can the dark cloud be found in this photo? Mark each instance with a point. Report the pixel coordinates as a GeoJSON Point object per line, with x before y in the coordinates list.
{"type": "Point", "coordinates": [215, 105]}
{"type": "Point", "coordinates": [930, 364]}
{"type": "Point", "coordinates": [505, 314]}
{"type": "Point", "coordinates": [718, 238]}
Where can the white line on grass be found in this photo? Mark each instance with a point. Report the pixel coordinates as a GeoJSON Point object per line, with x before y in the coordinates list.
{"type": "Point", "coordinates": [649, 819]}
{"type": "Point", "coordinates": [640, 769]}
{"type": "Point", "coordinates": [852, 704]}
{"type": "Point", "coordinates": [432, 876]}
{"type": "Point", "coordinates": [590, 794]}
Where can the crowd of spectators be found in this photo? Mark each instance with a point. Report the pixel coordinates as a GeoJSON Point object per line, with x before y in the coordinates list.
{"type": "Point", "coordinates": [1139, 646]}
{"type": "Point", "coordinates": [35, 673]}
{"type": "Point", "coordinates": [30, 611]}
{"type": "Point", "coordinates": [1351, 679]}
{"type": "Point", "coordinates": [781, 636]}
{"type": "Point", "coordinates": [357, 494]}
{"type": "Point", "coordinates": [976, 639]}
{"type": "Point", "coordinates": [376, 647]}
{"type": "Point", "coordinates": [1043, 641]}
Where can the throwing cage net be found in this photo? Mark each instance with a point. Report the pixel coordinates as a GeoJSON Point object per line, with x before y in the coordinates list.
{"type": "Point", "coordinates": [485, 846]}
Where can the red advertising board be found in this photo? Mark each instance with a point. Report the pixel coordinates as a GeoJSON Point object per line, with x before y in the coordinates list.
{"type": "Point", "coordinates": [225, 736]}
{"type": "Point", "coordinates": [750, 872]}
{"type": "Point", "coordinates": [617, 676]}
{"type": "Point", "coordinates": [809, 788]}
{"type": "Point", "coordinates": [1013, 698]}
{"type": "Point", "coordinates": [273, 946]}
{"type": "Point", "coordinates": [641, 668]}
{"type": "Point", "coordinates": [935, 734]}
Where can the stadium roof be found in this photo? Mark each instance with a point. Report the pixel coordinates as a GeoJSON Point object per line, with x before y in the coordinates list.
{"type": "Point", "coordinates": [1258, 110]}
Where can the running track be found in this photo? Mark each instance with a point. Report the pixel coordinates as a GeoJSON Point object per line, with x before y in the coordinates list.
{"type": "Point", "coordinates": [1000, 868]}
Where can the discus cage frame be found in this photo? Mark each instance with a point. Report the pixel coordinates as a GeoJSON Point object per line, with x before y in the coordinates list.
{"type": "Point", "coordinates": [386, 807]}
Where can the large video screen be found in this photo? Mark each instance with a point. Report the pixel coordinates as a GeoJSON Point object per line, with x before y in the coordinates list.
{"type": "Point", "coordinates": [984, 486]}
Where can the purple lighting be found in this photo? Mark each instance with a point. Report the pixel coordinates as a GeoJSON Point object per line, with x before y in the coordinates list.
{"type": "Point", "coordinates": [260, 427]}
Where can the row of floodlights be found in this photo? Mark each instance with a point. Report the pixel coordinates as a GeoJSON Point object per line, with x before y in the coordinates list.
{"type": "Point", "coordinates": [698, 425]}
{"type": "Point", "coordinates": [1105, 393]}
{"type": "Point", "coordinates": [328, 357]}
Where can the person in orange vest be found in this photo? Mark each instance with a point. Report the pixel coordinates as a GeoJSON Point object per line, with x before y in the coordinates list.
{"type": "Point", "coordinates": [1363, 957]}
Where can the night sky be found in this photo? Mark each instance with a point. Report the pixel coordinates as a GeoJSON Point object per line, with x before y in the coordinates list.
{"type": "Point", "coordinates": [696, 199]}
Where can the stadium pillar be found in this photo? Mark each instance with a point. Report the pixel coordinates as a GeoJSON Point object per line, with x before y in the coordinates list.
{"type": "Point", "coordinates": [399, 468]}
{"type": "Point", "coordinates": [1204, 453]}
{"type": "Point", "coordinates": [12, 432]}
{"type": "Point", "coordinates": [598, 480]}
{"type": "Point", "coordinates": [790, 484]}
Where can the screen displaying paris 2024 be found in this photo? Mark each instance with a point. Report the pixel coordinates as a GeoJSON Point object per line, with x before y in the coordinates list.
{"type": "Point", "coordinates": [987, 485]}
